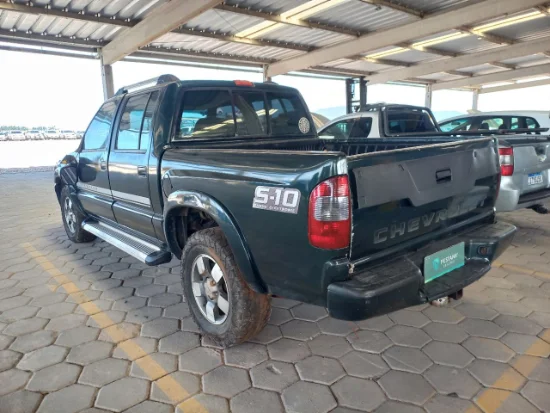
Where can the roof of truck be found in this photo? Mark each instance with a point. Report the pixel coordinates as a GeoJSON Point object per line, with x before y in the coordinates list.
{"type": "Point", "coordinates": [375, 107]}
{"type": "Point", "coordinates": [167, 79]}
{"type": "Point", "coordinates": [537, 114]}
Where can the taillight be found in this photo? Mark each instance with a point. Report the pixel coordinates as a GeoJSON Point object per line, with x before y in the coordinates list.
{"type": "Point", "coordinates": [506, 161]}
{"type": "Point", "coordinates": [329, 214]}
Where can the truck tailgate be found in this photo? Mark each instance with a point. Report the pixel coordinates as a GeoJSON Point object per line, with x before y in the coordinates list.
{"type": "Point", "coordinates": [403, 194]}
{"type": "Point", "coordinates": [531, 162]}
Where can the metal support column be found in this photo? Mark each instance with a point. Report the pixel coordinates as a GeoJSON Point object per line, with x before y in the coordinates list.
{"type": "Point", "coordinates": [356, 103]}
{"type": "Point", "coordinates": [107, 80]}
{"type": "Point", "coordinates": [266, 77]}
{"type": "Point", "coordinates": [428, 97]}
{"type": "Point", "coordinates": [362, 94]}
{"type": "Point", "coordinates": [475, 99]}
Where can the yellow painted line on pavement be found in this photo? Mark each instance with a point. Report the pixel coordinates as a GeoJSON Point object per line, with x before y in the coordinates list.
{"type": "Point", "coordinates": [169, 386]}
{"type": "Point", "coordinates": [491, 399]}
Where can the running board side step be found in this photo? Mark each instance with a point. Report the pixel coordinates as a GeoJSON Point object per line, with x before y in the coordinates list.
{"type": "Point", "coordinates": [142, 250]}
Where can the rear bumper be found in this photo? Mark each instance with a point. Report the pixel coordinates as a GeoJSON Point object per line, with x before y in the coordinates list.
{"type": "Point", "coordinates": [400, 283]}
{"type": "Point", "coordinates": [510, 196]}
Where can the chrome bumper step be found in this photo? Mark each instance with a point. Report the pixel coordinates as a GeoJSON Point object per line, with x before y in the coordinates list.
{"type": "Point", "coordinates": [144, 251]}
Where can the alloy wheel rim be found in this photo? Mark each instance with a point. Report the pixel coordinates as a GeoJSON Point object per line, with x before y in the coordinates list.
{"type": "Point", "coordinates": [210, 289]}
{"type": "Point", "coordinates": [70, 217]}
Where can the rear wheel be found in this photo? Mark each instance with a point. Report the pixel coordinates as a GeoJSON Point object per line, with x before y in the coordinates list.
{"type": "Point", "coordinates": [226, 309]}
{"type": "Point", "coordinates": [72, 219]}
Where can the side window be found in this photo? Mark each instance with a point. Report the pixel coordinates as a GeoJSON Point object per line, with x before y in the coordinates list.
{"type": "Point", "coordinates": [285, 113]}
{"type": "Point", "coordinates": [492, 124]}
{"type": "Point", "coordinates": [144, 136]}
{"type": "Point", "coordinates": [97, 135]}
{"type": "Point", "coordinates": [206, 114]}
{"type": "Point", "coordinates": [515, 122]}
{"type": "Point", "coordinates": [340, 130]}
{"type": "Point", "coordinates": [130, 123]}
{"type": "Point", "coordinates": [362, 127]}
{"type": "Point", "coordinates": [250, 113]}
{"type": "Point", "coordinates": [531, 123]}
{"type": "Point", "coordinates": [454, 125]}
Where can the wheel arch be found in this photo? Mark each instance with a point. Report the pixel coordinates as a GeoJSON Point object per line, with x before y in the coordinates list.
{"type": "Point", "coordinates": [181, 203]}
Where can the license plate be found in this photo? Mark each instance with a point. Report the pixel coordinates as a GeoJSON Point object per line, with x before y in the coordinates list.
{"type": "Point", "coordinates": [533, 179]}
{"type": "Point", "coordinates": [443, 262]}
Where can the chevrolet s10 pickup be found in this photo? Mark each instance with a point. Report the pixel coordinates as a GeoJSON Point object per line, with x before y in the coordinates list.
{"type": "Point", "coordinates": [232, 179]}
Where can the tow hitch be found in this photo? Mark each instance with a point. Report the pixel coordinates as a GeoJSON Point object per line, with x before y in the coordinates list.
{"type": "Point", "coordinates": [443, 301]}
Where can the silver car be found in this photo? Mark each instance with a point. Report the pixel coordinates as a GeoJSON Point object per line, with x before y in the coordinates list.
{"type": "Point", "coordinates": [525, 167]}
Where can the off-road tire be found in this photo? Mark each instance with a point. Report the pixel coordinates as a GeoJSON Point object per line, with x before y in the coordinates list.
{"type": "Point", "coordinates": [78, 235]}
{"type": "Point", "coordinates": [249, 311]}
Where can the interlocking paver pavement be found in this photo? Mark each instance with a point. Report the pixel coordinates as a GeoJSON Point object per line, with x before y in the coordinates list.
{"type": "Point", "coordinates": [102, 332]}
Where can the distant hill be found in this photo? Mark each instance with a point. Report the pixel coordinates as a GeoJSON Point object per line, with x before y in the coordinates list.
{"type": "Point", "coordinates": [333, 112]}
{"type": "Point", "coordinates": [445, 114]}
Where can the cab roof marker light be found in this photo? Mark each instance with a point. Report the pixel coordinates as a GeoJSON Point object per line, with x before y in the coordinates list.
{"type": "Point", "coordinates": [247, 83]}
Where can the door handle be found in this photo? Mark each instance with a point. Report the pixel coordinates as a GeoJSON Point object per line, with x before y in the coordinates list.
{"type": "Point", "coordinates": [142, 170]}
{"type": "Point", "coordinates": [103, 164]}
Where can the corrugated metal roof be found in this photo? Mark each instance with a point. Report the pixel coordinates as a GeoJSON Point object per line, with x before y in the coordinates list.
{"type": "Point", "coordinates": [536, 58]}
{"type": "Point", "coordinates": [525, 29]}
{"type": "Point", "coordinates": [468, 44]}
{"type": "Point", "coordinates": [222, 21]}
{"type": "Point", "coordinates": [350, 15]}
{"type": "Point", "coordinates": [361, 16]}
{"type": "Point", "coordinates": [303, 35]}
{"type": "Point", "coordinates": [268, 6]}
{"type": "Point", "coordinates": [431, 6]}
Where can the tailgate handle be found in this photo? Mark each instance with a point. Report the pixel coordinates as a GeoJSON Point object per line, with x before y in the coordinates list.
{"type": "Point", "coordinates": [443, 176]}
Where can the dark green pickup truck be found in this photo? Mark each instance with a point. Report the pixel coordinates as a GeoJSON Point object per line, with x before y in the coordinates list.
{"type": "Point", "coordinates": [231, 178]}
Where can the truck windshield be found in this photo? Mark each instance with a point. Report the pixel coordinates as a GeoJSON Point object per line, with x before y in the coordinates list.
{"type": "Point", "coordinates": [224, 113]}
{"type": "Point", "coordinates": [406, 121]}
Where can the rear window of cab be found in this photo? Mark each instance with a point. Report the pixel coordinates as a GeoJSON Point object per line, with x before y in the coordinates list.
{"type": "Point", "coordinates": [242, 112]}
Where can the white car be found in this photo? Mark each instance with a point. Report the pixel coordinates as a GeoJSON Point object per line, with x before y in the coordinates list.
{"type": "Point", "coordinates": [16, 135]}
{"type": "Point", "coordinates": [3, 136]}
{"type": "Point", "coordinates": [34, 135]}
{"type": "Point", "coordinates": [521, 119]}
{"type": "Point", "coordinates": [68, 134]}
{"type": "Point", "coordinates": [52, 134]}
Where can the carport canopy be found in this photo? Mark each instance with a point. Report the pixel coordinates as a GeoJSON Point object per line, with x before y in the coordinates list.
{"type": "Point", "coordinates": [478, 45]}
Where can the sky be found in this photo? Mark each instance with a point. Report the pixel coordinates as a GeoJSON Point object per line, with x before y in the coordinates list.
{"type": "Point", "coordinates": [66, 92]}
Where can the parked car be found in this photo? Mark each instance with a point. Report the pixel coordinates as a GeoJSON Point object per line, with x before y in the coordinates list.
{"type": "Point", "coordinates": [68, 134]}
{"type": "Point", "coordinates": [52, 134]}
{"type": "Point", "coordinates": [16, 135]}
{"type": "Point", "coordinates": [524, 158]}
{"type": "Point", "coordinates": [381, 120]}
{"type": "Point", "coordinates": [79, 134]}
{"type": "Point", "coordinates": [497, 121]}
{"type": "Point", "coordinates": [254, 204]}
{"type": "Point", "coordinates": [34, 134]}
{"type": "Point", "coordinates": [3, 136]}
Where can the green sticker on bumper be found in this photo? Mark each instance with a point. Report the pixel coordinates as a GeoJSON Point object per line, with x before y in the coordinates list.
{"type": "Point", "coordinates": [443, 262]}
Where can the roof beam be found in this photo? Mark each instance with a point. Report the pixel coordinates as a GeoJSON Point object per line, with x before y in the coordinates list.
{"type": "Point", "coordinates": [280, 19]}
{"type": "Point", "coordinates": [494, 77]}
{"type": "Point", "coordinates": [398, 7]}
{"type": "Point", "coordinates": [244, 40]}
{"type": "Point", "coordinates": [49, 40]}
{"type": "Point", "coordinates": [46, 52]}
{"type": "Point", "coordinates": [429, 25]}
{"type": "Point", "coordinates": [467, 60]}
{"type": "Point", "coordinates": [159, 21]}
{"type": "Point", "coordinates": [522, 85]}
{"type": "Point", "coordinates": [45, 11]}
